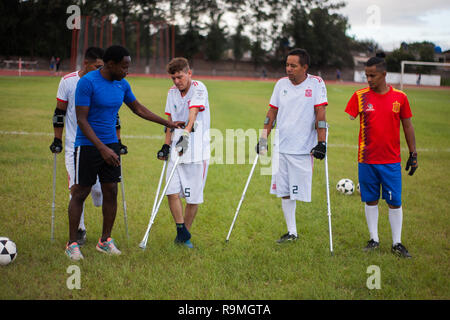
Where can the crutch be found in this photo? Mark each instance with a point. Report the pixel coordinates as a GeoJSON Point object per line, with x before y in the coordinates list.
{"type": "Point", "coordinates": [125, 218]}
{"type": "Point", "coordinates": [243, 196]}
{"type": "Point", "coordinates": [328, 194]}
{"type": "Point", "coordinates": [53, 202]}
{"type": "Point", "coordinates": [143, 243]}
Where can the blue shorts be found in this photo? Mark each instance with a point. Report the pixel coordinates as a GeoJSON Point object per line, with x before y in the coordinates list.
{"type": "Point", "coordinates": [388, 176]}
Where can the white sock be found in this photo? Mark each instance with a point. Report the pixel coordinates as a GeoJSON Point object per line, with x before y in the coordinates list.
{"type": "Point", "coordinates": [372, 221]}
{"type": "Point", "coordinates": [396, 218]}
{"type": "Point", "coordinates": [289, 206]}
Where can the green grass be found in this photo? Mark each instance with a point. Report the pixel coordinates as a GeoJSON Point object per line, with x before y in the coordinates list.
{"type": "Point", "coordinates": [251, 265]}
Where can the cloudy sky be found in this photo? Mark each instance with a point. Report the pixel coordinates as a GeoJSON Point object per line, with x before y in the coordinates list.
{"type": "Point", "coordinates": [389, 22]}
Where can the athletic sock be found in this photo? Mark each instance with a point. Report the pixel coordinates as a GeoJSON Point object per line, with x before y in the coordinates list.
{"type": "Point", "coordinates": [372, 221]}
{"type": "Point", "coordinates": [289, 206]}
{"type": "Point", "coordinates": [183, 233]}
{"type": "Point", "coordinates": [396, 219]}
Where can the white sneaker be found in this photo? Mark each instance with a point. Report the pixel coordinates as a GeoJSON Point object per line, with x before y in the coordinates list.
{"type": "Point", "coordinates": [73, 251]}
{"type": "Point", "coordinates": [107, 246]}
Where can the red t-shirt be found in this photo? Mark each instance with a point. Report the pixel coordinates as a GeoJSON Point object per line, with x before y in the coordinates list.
{"type": "Point", "coordinates": [379, 132]}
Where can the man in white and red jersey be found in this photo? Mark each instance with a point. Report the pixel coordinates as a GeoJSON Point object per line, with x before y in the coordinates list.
{"type": "Point", "coordinates": [65, 115]}
{"type": "Point", "coordinates": [187, 101]}
{"type": "Point", "coordinates": [381, 108]}
{"type": "Point", "coordinates": [298, 104]}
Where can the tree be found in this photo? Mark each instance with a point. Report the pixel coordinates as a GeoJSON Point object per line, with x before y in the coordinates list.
{"type": "Point", "coordinates": [315, 27]}
{"type": "Point", "coordinates": [422, 51]}
{"type": "Point", "coordinates": [215, 41]}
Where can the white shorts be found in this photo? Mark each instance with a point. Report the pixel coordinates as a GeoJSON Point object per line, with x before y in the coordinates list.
{"type": "Point", "coordinates": [188, 180]}
{"type": "Point", "coordinates": [96, 191]}
{"type": "Point", "coordinates": [293, 177]}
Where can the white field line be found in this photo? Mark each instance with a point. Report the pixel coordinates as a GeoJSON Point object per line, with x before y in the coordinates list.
{"type": "Point", "coordinates": [161, 137]}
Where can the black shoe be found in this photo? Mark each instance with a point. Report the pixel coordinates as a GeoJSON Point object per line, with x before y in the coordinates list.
{"type": "Point", "coordinates": [287, 237]}
{"type": "Point", "coordinates": [371, 245]}
{"type": "Point", "coordinates": [81, 236]}
{"type": "Point", "coordinates": [400, 250]}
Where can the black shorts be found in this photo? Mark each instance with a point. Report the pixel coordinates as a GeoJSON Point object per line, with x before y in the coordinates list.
{"type": "Point", "coordinates": [89, 163]}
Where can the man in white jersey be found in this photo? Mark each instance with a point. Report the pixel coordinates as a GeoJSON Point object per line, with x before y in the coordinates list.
{"type": "Point", "coordinates": [65, 115]}
{"type": "Point", "coordinates": [186, 101]}
{"type": "Point", "coordinates": [298, 105]}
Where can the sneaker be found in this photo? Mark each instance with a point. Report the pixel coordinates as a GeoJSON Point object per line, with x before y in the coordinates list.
{"type": "Point", "coordinates": [186, 243]}
{"type": "Point", "coordinates": [107, 246]}
{"type": "Point", "coordinates": [81, 236]}
{"type": "Point", "coordinates": [287, 237]}
{"type": "Point", "coordinates": [73, 251]}
{"type": "Point", "coordinates": [400, 250]}
{"type": "Point", "coordinates": [371, 245]}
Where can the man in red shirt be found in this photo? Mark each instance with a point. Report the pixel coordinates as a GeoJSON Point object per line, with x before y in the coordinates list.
{"type": "Point", "coordinates": [381, 108]}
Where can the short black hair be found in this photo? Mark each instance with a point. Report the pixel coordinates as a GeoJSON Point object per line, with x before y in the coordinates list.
{"type": "Point", "coordinates": [115, 53]}
{"type": "Point", "coordinates": [94, 53]}
{"type": "Point", "coordinates": [302, 54]}
{"type": "Point", "coordinates": [378, 61]}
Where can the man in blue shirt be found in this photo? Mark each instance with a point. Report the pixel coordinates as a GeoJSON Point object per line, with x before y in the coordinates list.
{"type": "Point", "coordinates": [98, 98]}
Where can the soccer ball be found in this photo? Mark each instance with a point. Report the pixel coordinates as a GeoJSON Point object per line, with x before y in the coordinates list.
{"type": "Point", "coordinates": [8, 251]}
{"type": "Point", "coordinates": [345, 186]}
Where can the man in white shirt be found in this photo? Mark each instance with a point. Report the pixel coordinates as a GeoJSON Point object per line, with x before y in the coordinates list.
{"type": "Point", "coordinates": [298, 105]}
{"type": "Point", "coordinates": [65, 115]}
{"type": "Point", "coordinates": [187, 101]}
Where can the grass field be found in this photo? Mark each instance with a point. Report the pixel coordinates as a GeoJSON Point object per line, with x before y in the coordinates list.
{"type": "Point", "coordinates": [251, 265]}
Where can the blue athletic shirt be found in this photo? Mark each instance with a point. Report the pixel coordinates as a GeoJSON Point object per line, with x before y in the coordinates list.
{"type": "Point", "coordinates": [104, 99]}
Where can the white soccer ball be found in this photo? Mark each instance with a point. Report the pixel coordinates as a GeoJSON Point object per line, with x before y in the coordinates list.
{"type": "Point", "coordinates": [8, 251]}
{"type": "Point", "coordinates": [345, 186]}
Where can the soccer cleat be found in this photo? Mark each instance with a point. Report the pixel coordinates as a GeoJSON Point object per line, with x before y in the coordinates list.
{"type": "Point", "coordinates": [107, 246]}
{"type": "Point", "coordinates": [399, 250]}
{"type": "Point", "coordinates": [73, 251]}
{"type": "Point", "coordinates": [81, 236]}
{"type": "Point", "coordinates": [287, 237]}
{"type": "Point", "coordinates": [371, 245]}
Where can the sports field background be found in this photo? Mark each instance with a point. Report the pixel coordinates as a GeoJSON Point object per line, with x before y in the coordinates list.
{"type": "Point", "coordinates": [251, 265]}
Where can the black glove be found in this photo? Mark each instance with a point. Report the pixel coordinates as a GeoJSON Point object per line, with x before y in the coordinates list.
{"type": "Point", "coordinates": [56, 146]}
{"type": "Point", "coordinates": [320, 150]}
{"type": "Point", "coordinates": [262, 147]}
{"type": "Point", "coordinates": [163, 154]}
{"type": "Point", "coordinates": [123, 148]}
{"type": "Point", "coordinates": [412, 162]}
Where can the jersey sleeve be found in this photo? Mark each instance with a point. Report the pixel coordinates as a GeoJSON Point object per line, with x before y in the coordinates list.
{"type": "Point", "coordinates": [62, 94]}
{"type": "Point", "coordinates": [405, 110]}
{"type": "Point", "coordinates": [321, 96]}
{"type": "Point", "coordinates": [275, 98]}
{"type": "Point", "coordinates": [129, 96]}
{"type": "Point", "coordinates": [168, 110]}
{"type": "Point", "coordinates": [352, 106]}
{"type": "Point", "coordinates": [83, 93]}
{"type": "Point", "coordinates": [200, 97]}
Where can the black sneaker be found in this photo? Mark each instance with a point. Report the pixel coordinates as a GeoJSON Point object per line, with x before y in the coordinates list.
{"type": "Point", "coordinates": [371, 245]}
{"type": "Point", "coordinates": [400, 250]}
{"type": "Point", "coordinates": [287, 237]}
{"type": "Point", "coordinates": [81, 236]}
